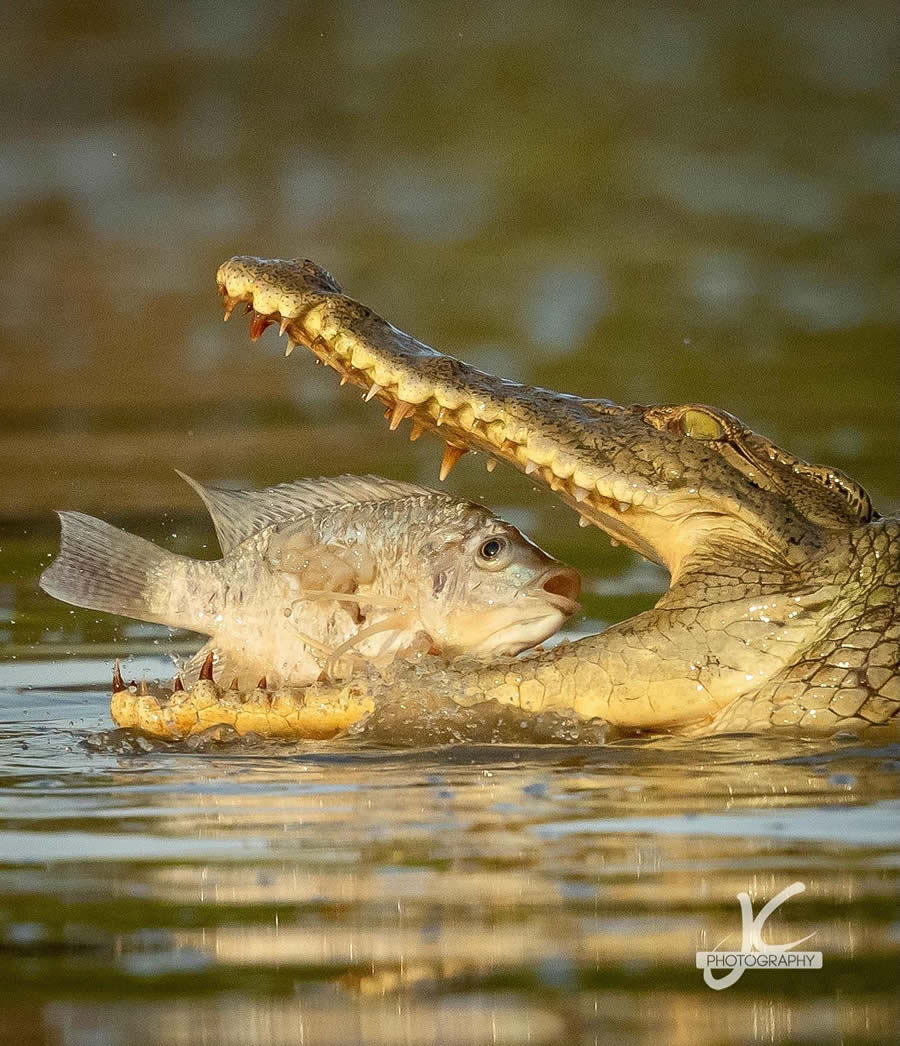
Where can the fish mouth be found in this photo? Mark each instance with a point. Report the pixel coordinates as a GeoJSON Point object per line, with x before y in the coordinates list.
{"type": "Point", "coordinates": [511, 638]}
{"type": "Point", "coordinates": [560, 587]}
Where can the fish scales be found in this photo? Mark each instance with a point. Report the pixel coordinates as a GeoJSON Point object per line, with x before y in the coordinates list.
{"type": "Point", "coordinates": [323, 577]}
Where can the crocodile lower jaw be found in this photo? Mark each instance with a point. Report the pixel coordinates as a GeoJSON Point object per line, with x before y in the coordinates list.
{"type": "Point", "coordinates": [288, 712]}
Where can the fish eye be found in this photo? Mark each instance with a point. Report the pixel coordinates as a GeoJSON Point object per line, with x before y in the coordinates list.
{"type": "Point", "coordinates": [493, 552]}
{"type": "Point", "coordinates": [699, 425]}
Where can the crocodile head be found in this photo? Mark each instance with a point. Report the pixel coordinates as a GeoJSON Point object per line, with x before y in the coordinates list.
{"type": "Point", "coordinates": [675, 483]}
{"type": "Point", "coordinates": [783, 606]}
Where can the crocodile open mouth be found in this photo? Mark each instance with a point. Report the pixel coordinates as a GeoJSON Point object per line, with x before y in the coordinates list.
{"type": "Point", "coordinates": [465, 407]}
{"type": "Point", "coordinates": [783, 579]}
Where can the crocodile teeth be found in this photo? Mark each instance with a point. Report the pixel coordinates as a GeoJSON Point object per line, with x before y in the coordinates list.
{"type": "Point", "coordinates": [261, 685]}
{"type": "Point", "coordinates": [289, 348]}
{"type": "Point", "coordinates": [283, 326]}
{"type": "Point", "coordinates": [372, 393]}
{"type": "Point", "coordinates": [118, 681]}
{"type": "Point", "coordinates": [206, 672]}
{"type": "Point", "coordinates": [229, 306]}
{"type": "Point", "coordinates": [623, 506]}
{"type": "Point", "coordinates": [344, 379]}
{"type": "Point", "coordinates": [442, 413]}
{"type": "Point", "coordinates": [451, 456]}
{"type": "Point", "coordinates": [583, 521]}
{"type": "Point", "coordinates": [257, 325]}
{"type": "Point", "coordinates": [401, 410]}
{"type": "Point", "coordinates": [417, 429]}
{"type": "Point", "coordinates": [234, 684]}
{"type": "Point", "coordinates": [581, 493]}
{"type": "Point", "coordinates": [490, 464]}
{"type": "Point", "coordinates": [530, 466]}
{"type": "Point", "coordinates": [177, 685]}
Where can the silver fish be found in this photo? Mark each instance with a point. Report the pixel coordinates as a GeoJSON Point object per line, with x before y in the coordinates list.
{"type": "Point", "coordinates": [318, 572]}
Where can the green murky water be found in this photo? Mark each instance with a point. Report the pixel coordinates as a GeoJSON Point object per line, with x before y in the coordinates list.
{"type": "Point", "coordinates": [680, 202]}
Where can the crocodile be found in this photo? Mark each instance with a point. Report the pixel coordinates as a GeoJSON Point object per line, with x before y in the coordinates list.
{"type": "Point", "coordinates": [783, 607]}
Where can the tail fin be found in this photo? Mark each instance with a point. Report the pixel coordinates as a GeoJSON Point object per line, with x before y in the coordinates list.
{"type": "Point", "coordinates": [104, 568]}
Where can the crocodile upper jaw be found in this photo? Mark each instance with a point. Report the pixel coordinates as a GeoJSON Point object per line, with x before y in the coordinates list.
{"type": "Point", "coordinates": [665, 480]}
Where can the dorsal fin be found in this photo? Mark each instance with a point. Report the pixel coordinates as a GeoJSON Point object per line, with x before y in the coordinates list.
{"type": "Point", "coordinates": [238, 514]}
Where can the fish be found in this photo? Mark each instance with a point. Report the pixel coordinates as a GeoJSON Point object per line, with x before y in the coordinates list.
{"type": "Point", "coordinates": [318, 574]}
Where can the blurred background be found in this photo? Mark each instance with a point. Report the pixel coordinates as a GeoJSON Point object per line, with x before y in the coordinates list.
{"type": "Point", "coordinates": [650, 202]}
{"type": "Point", "coordinates": [681, 201]}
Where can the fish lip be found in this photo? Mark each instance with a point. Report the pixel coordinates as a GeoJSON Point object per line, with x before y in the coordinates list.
{"type": "Point", "coordinates": [490, 648]}
{"type": "Point", "coordinates": [566, 578]}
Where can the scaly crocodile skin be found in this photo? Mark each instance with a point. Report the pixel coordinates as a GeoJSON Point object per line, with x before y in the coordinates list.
{"type": "Point", "coordinates": [784, 604]}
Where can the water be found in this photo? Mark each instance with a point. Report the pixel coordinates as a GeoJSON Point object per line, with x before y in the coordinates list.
{"type": "Point", "coordinates": [341, 893]}
{"type": "Point", "coordinates": [656, 203]}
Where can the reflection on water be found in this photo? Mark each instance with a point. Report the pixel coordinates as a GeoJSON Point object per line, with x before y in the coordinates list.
{"type": "Point", "coordinates": [649, 202]}
{"type": "Point", "coordinates": [342, 893]}
{"type": "Point", "coordinates": [653, 202]}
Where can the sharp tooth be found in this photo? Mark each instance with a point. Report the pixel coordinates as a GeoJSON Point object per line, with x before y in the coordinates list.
{"type": "Point", "coordinates": [451, 456]}
{"type": "Point", "coordinates": [442, 413]}
{"type": "Point", "coordinates": [490, 464]}
{"type": "Point", "coordinates": [582, 522]}
{"type": "Point", "coordinates": [118, 681]}
{"type": "Point", "coordinates": [234, 684]}
{"type": "Point", "coordinates": [623, 506]}
{"type": "Point", "coordinates": [261, 685]}
{"type": "Point", "coordinates": [257, 325]}
{"type": "Point", "coordinates": [373, 391]}
{"type": "Point", "coordinates": [206, 672]}
{"type": "Point", "coordinates": [177, 686]}
{"type": "Point", "coordinates": [229, 306]}
{"type": "Point", "coordinates": [417, 429]}
{"type": "Point", "coordinates": [402, 410]}
{"type": "Point", "coordinates": [581, 493]}
{"type": "Point", "coordinates": [530, 467]}
{"type": "Point", "coordinates": [344, 379]}
{"type": "Point", "coordinates": [283, 326]}
{"type": "Point", "coordinates": [289, 348]}
{"type": "Point", "coordinates": [614, 543]}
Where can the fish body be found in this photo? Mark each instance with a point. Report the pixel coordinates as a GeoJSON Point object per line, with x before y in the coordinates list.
{"type": "Point", "coordinates": [317, 573]}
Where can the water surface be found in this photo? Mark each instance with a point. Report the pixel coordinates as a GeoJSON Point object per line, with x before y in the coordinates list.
{"type": "Point", "coordinates": [340, 893]}
{"type": "Point", "coordinates": [652, 202]}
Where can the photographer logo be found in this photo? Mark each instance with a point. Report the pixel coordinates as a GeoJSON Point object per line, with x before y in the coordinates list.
{"type": "Point", "coordinates": [755, 953]}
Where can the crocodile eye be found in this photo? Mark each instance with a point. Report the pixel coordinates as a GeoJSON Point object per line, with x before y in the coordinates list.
{"type": "Point", "coordinates": [699, 425]}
